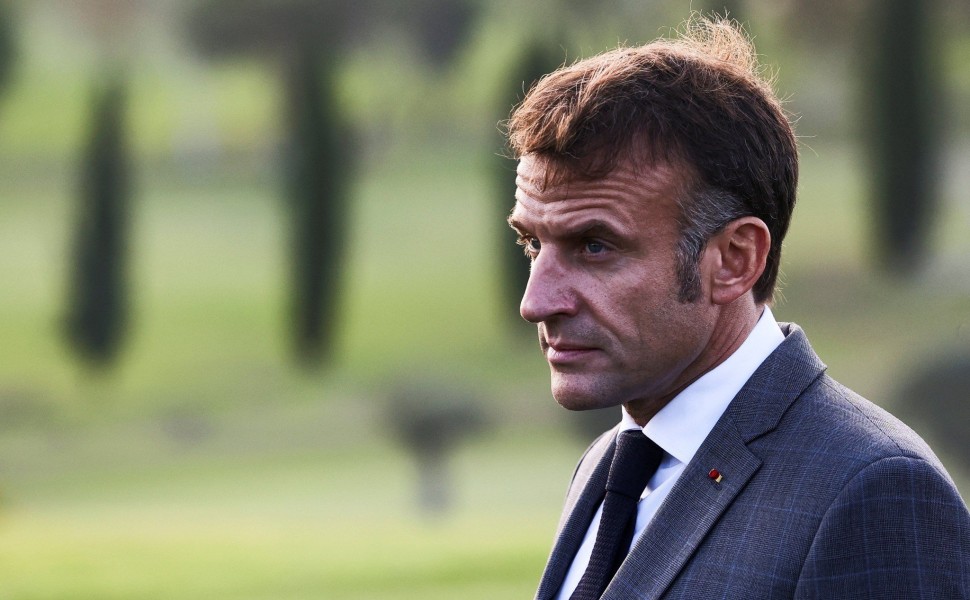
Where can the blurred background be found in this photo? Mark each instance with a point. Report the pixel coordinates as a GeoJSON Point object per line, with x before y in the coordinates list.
{"type": "Point", "coordinates": [258, 304]}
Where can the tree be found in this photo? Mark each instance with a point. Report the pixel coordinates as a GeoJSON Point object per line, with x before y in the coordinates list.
{"type": "Point", "coordinates": [302, 39]}
{"type": "Point", "coordinates": [439, 28]}
{"type": "Point", "coordinates": [933, 398]}
{"type": "Point", "coordinates": [318, 163]}
{"type": "Point", "coordinates": [96, 312]}
{"type": "Point", "coordinates": [430, 419]}
{"type": "Point", "coordinates": [8, 49]}
{"type": "Point", "coordinates": [903, 136]}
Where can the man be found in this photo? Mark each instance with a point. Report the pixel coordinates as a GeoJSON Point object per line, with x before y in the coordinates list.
{"type": "Point", "coordinates": [655, 186]}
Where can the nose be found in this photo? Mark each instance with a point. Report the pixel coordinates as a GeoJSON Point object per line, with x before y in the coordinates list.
{"type": "Point", "coordinates": [549, 292]}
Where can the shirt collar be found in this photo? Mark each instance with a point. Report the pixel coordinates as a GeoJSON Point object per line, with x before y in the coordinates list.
{"type": "Point", "coordinates": [682, 425]}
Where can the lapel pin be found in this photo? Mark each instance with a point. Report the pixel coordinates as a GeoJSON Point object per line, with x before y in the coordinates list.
{"type": "Point", "coordinates": [715, 475]}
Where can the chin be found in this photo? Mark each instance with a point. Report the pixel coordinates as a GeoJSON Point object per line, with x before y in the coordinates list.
{"type": "Point", "coordinates": [572, 395]}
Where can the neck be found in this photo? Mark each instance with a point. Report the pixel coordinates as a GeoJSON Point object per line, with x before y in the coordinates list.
{"type": "Point", "coordinates": [732, 327]}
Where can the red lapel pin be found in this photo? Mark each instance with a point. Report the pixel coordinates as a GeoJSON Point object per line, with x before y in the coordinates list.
{"type": "Point", "coordinates": [715, 475]}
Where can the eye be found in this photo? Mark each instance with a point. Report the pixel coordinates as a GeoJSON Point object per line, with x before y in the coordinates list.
{"type": "Point", "coordinates": [530, 245]}
{"type": "Point", "coordinates": [594, 247]}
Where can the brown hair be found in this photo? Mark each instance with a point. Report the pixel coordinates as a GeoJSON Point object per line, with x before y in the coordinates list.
{"type": "Point", "coordinates": [699, 101]}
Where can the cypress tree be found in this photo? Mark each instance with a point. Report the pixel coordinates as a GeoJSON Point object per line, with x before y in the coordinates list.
{"type": "Point", "coordinates": [8, 48]}
{"type": "Point", "coordinates": [318, 173]}
{"type": "Point", "coordinates": [96, 311]}
{"type": "Point", "coordinates": [903, 137]}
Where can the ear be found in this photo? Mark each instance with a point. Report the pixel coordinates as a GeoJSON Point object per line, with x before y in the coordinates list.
{"type": "Point", "coordinates": [736, 258]}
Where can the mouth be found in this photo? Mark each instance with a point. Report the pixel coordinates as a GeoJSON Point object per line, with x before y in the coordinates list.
{"type": "Point", "coordinates": [563, 353]}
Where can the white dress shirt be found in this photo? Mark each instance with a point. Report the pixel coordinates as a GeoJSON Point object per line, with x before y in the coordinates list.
{"type": "Point", "coordinates": [681, 427]}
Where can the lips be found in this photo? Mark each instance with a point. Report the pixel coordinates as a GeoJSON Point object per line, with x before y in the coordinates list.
{"type": "Point", "coordinates": [566, 352]}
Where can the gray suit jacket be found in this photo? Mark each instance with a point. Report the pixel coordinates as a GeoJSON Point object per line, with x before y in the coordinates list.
{"type": "Point", "coordinates": [823, 495]}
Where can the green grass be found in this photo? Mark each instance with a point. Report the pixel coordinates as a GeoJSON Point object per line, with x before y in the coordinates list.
{"type": "Point", "coordinates": [283, 524]}
{"type": "Point", "coordinates": [121, 559]}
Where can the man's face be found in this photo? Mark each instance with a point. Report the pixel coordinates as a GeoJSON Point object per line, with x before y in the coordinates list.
{"type": "Point", "coordinates": [603, 288]}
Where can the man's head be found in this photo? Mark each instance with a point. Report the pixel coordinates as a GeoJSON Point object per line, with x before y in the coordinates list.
{"type": "Point", "coordinates": [698, 102]}
{"type": "Point", "coordinates": [655, 185]}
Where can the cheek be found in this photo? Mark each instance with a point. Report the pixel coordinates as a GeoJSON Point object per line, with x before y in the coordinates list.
{"type": "Point", "coordinates": [658, 323]}
{"type": "Point", "coordinates": [638, 323]}
{"type": "Point", "coordinates": [638, 303]}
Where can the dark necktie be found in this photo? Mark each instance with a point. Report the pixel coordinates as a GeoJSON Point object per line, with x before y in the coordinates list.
{"type": "Point", "coordinates": [634, 462]}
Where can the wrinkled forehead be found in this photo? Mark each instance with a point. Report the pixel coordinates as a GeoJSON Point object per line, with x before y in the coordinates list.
{"type": "Point", "coordinates": [538, 173]}
{"type": "Point", "coordinates": [628, 198]}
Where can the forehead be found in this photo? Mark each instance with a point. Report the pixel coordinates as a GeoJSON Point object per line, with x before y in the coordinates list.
{"type": "Point", "coordinates": [633, 195]}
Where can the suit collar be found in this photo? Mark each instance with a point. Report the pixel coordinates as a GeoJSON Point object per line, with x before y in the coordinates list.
{"type": "Point", "coordinates": [764, 399]}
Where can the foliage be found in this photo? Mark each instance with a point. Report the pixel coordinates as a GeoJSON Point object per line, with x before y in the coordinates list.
{"type": "Point", "coordinates": [903, 135]}
{"type": "Point", "coordinates": [222, 28]}
{"type": "Point", "coordinates": [304, 39]}
{"type": "Point", "coordinates": [441, 27]}
{"type": "Point", "coordinates": [96, 310]}
{"type": "Point", "coordinates": [8, 50]}
{"type": "Point", "coordinates": [934, 396]}
{"type": "Point", "coordinates": [258, 27]}
{"type": "Point", "coordinates": [430, 420]}
{"type": "Point", "coordinates": [318, 163]}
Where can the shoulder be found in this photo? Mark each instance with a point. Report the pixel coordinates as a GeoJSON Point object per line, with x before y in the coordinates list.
{"type": "Point", "coordinates": [886, 515]}
{"type": "Point", "coordinates": [829, 439]}
{"type": "Point", "coordinates": [849, 424]}
{"type": "Point", "coordinates": [793, 402]}
{"type": "Point", "coordinates": [899, 526]}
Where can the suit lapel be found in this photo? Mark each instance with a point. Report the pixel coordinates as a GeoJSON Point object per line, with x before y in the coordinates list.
{"type": "Point", "coordinates": [585, 493]}
{"type": "Point", "coordinates": [696, 501]}
{"type": "Point", "coordinates": [693, 507]}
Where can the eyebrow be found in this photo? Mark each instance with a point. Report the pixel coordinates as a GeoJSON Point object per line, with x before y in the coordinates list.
{"type": "Point", "coordinates": [515, 223]}
{"type": "Point", "coordinates": [593, 228]}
